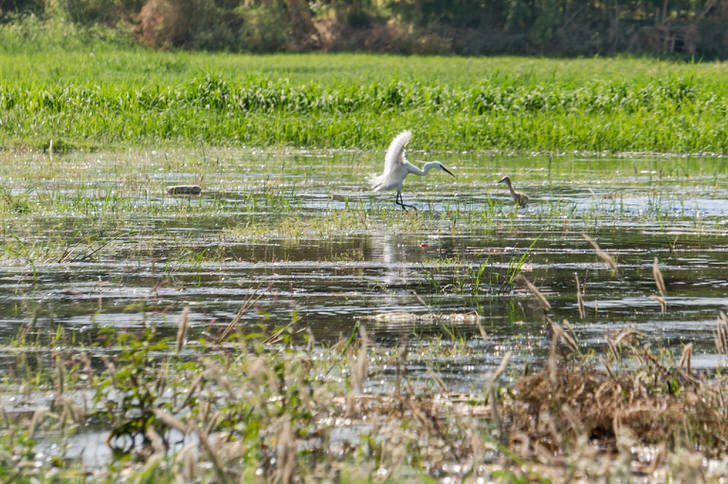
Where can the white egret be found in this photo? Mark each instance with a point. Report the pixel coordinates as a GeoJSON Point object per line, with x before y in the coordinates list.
{"type": "Point", "coordinates": [396, 169]}
{"type": "Point", "coordinates": [519, 197]}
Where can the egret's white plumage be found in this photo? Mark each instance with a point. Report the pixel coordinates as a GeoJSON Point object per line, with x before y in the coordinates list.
{"type": "Point", "coordinates": [396, 168]}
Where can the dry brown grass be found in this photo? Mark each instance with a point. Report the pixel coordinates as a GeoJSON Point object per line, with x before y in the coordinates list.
{"type": "Point", "coordinates": [579, 298]}
{"type": "Point", "coordinates": [602, 254]}
{"type": "Point", "coordinates": [577, 418]}
{"type": "Point", "coordinates": [659, 280]}
{"type": "Point", "coordinates": [528, 285]}
{"type": "Point", "coordinates": [655, 404]}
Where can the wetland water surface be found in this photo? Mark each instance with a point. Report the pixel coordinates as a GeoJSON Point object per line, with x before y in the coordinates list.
{"type": "Point", "coordinates": [92, 241]}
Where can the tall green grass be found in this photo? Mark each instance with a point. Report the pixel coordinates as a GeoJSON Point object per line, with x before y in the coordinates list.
{"type": "Point", "coordinates": [110, 95]}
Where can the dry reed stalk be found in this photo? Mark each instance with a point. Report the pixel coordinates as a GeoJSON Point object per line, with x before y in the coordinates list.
{"type": "Point", "coordinates": [722, 318]}
{"type": "Point", "coordinates": [359, 364]}
{"type": "Point", "coordinates": [358, 371]}
{"type": "Point", "coordinates": [628, 333]}
{"type": "Point", "coordinates": [217, 465]}
{"type": "Point", "coordinates": [577, 426]}
{"type": "Point", "coordinates": [310, 340]}
{"type": "Point", "coordinates": [571, 333]}
{"type": "Point", "coordinates": [609, 370]}
{"type": "Point", "coordinates": [613, 349]}
{"type": "Point", "coordinates": [501, 367]}
{"type": "Point", "coordinates": [561, 334]}
{"type": "Point", "coordinates": [111, 369]}
{"type": "Point", "coordinates": [86, 363]}
{"type": "Point", "coordinates": [38, 416]}
{"type": "Point", "coordinates": [249, 303]}
{"type": "Point", "coordinates": [213, 421]}
{"type": "Point", "coordinates": [74, 412]}
{"type": "Point", "coordinates": [276, 337]}
{"type": "Point", "coordinates": [551, 359]}
{"type": "Point", "coordinates": [657, 459]}
{"type": "Point", "coordinates": [170, 420]}
{"type": "Point", "coordinates": [217, 374]}
{"type": "Point", "coordinates": [401, 367]}
{"type": "Point", "coordinates": [193, 388]}
{"type": "Point", "coordinates": [480, 326]}
{"type": "Point", "coordinates": [661, 301]}
{"type": "Point", "coordinates": [493, 393]}
{"type": "Point", "coordinates": [659, 281]}
{"type": "Point", "coordinates": [579, 298]}
{"type": "Point", "coordinates": [532, 289]}
{"type": "Point", "coordinates": [686, 359]}
{"type": "Point", "coordinates": [61, 373]}
{"type": "Point", "coordinates": [419, 299]}
{"type": "Point", "coordinates": [286, 454]}
{"type": "Point", "coordinates": [603, 255]}
{"type": "Point", "coordinates": [182, 330]}
{"type": "Point", "coordinates": [721, 334]}
{"type": "Point", "coordinates": [156, 440]}
{"type": "Point", "coordinates": [186, 457]}
{"type": "Point", "coordinates": [438, 380]}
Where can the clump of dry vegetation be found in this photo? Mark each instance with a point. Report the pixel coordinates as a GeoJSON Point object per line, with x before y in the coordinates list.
{"type": "Point", "coordinates": [617, 408]}
{"type": "Point", "coordinates": [271, 405]}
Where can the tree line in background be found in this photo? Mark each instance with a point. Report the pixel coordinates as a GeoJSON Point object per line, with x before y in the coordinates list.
{"type": "Point", "coordinates": [468, 27]}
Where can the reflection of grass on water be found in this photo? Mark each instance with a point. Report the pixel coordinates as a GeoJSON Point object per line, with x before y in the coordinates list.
{"type": "Point", "coordinates": [270, 405]}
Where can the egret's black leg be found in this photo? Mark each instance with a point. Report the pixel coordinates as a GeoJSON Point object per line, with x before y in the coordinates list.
{"type": "Point", "coordinates": [398, 200]}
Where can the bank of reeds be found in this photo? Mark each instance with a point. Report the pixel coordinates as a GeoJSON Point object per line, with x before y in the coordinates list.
{"type": "Point", "coordinates": [273, 406]}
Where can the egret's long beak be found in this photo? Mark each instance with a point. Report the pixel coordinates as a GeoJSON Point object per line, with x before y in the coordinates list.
{"type": "Point", "coordinates": [448, 171]}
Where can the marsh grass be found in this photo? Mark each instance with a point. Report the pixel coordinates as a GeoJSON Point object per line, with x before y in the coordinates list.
{"type": "Point", "coordinates": [261, 404]}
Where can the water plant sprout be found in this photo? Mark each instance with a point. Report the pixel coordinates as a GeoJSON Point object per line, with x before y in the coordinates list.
{"type": "Point", "coordinates": [396, 168]}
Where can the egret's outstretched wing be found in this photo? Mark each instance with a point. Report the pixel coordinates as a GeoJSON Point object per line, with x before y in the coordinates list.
{"type": "Point", "coordinates": [393, 160]}
{"type": "Point", "coordinates": [395, 152]}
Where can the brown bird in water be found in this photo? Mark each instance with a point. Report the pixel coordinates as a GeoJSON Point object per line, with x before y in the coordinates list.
{"type": "Point", "coordinates": [519, 197]}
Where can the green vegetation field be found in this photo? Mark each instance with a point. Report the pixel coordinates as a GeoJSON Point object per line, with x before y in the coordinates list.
{"type": "Point", "coordinates": [88, 92]}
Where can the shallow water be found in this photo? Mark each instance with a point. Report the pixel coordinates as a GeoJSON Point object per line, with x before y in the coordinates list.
{"type": "Point", "coordinates": [97, 243]}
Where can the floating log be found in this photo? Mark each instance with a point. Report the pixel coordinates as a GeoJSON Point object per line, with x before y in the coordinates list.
{"type": "Point", "coordinates": [184, 190]}
{"type": "Point", "coordinates": [404, 318]}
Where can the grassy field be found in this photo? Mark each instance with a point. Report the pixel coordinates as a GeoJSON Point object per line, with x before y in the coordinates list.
{"type": "Point", "coordinates": [103, 94]}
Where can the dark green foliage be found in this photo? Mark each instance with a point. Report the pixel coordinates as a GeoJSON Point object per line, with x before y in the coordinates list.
{"type": "Point", "coordinates": [131, 391]}
{"type": "Point", "coordinates": [471, 27]}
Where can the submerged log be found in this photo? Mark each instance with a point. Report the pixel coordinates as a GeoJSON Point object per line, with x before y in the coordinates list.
{"type": "Point", "coordinates": [184, 190]}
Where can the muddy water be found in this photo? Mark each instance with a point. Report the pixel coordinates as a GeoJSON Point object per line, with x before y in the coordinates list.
{"type": "Point", "coordinates": [126, 255]}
